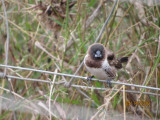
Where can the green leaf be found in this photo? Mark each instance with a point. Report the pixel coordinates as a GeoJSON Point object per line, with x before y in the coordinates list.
{"type": "Point", "coordinates": [57, 21]}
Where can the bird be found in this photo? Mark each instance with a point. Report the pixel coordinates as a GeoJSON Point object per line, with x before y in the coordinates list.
{"type": "Point", "coordinates": [102, 62]}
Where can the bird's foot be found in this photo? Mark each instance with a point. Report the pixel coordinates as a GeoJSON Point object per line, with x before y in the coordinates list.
{"type": "Point", "coordinates": [89, 79]}
{"type": "Point", "coordinates": [109, 83]}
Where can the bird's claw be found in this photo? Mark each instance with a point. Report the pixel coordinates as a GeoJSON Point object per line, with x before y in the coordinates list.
{"type": "Point", "coordinates": [109, 83]}
{"type": "Point", "coordinates": [89, 79]}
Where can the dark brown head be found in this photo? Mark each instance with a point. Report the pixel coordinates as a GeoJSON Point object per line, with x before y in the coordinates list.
{"type": "Point", "coordinates": [97, 51]}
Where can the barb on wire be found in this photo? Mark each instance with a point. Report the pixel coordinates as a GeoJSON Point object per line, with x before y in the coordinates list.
{"type": "Point", "coordinates": [99, 36]}
{"type": "Point", "coordinates": [78, 86]}
{"type": "Point", "coordinates": [76, 76]}
{"type": "Point", "coordinates": [7, 45]}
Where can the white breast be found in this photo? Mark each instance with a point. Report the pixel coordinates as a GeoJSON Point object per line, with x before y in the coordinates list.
{"type": "Point", "coordinates": [98, 72]}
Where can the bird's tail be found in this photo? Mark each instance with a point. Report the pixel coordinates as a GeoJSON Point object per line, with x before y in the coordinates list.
{"type": "Point", "coordinates": [123, 59]}
{"type": "Point", "coordinates": [120, 61]}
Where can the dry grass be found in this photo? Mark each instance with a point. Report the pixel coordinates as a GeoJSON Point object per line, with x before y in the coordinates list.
{"type": "Point", "coordinates": [52, 36]}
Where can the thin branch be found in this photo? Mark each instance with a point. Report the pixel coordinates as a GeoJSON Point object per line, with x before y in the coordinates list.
{"type": "Point", "coordinates": [94, 14]}
{"type": "Point", "coordinates": [106, 22]}
{"type": "Point", "coordinates": [7, 46]}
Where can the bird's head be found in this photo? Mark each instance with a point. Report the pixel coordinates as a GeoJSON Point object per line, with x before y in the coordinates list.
{"type": "Point", "coordinates": [97, 51]}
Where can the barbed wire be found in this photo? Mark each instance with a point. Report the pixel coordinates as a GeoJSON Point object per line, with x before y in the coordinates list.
{"type": "Point", "coordinates": [76, 86]}
{"type": "Point", "coordinates": [75, 76]}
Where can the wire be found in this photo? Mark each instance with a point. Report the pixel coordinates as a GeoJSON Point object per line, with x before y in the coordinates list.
{"type": "Point", "coordinates": [76, 76]}
{"type": "Point", "coordinates": [128, 91]}
{"type": "Point", "coordinates": [78, 86]}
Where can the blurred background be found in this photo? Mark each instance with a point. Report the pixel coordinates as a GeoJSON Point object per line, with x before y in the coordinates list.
{"type": "Point", "coordinates": [54, 35]}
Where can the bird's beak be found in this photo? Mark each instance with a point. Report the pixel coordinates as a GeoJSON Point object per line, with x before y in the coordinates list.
{"type": "Point", "coordinates": [98, 54]}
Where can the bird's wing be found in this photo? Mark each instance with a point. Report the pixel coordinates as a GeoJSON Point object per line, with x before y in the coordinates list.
{"type": "Point", "coordinates": [111, 73]}
{"type": "Point", "coordinates": [109, 55]}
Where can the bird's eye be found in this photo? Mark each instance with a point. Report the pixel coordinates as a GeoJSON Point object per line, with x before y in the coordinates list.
{"type": "Point", "coordinates": [110, 57]}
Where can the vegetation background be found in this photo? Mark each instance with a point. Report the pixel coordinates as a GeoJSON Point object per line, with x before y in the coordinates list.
{"type": "Point", "coordinates": [54, 35]}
